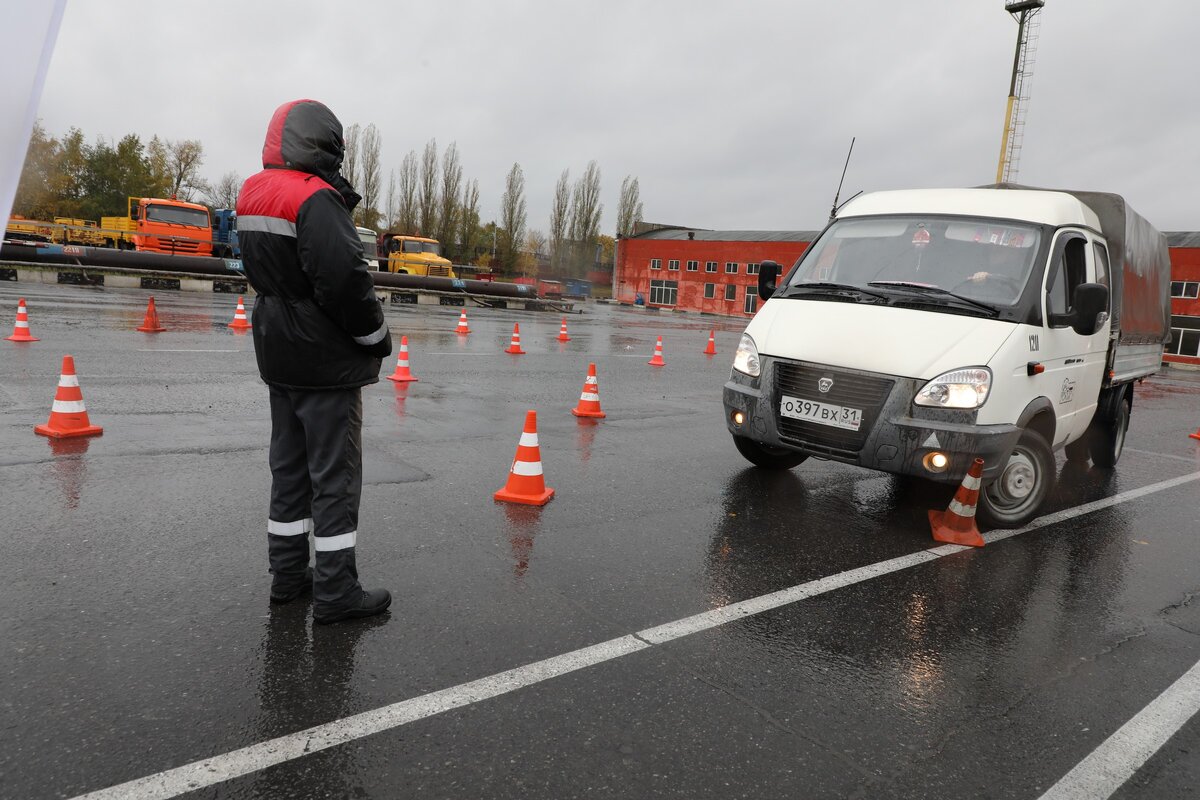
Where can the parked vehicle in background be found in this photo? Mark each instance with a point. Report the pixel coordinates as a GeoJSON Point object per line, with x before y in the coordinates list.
{"type": "Point", "coordinates": [370, 243]}
{"type": "Point", "coordinates": [415, 255]}
{"type": "Point", "coordinates": [160, 225]}
{"type": "Point", "coordinates": [224, 234]}
{"type": "Point", "coordinates": [923, 329]}
{"type": "Point", "coordinates": [63, 230]}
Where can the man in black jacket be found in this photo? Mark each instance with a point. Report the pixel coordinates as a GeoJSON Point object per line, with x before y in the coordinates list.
{"type": "Point", "coordinates": [319, 337]}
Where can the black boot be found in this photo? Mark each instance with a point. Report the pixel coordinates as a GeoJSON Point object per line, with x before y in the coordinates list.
{"type": "Point", "coordinates": [338, 595]}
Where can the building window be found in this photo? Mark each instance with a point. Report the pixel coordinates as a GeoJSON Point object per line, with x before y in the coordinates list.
{"type": "Point", "coordinates": [656, 263]}
{"type": "Point", "coordinates": [710, 291]}
{"type": "Point", "coordinates": [1185, 336]}
{"type": "Point", "coordinates": [693, 266]}
{"type": "Point", "coordinates": [731, 291]}
{"type": "Point", "coordinates": [673, 265]}
{"type": "Point", "coordinates": [664, 293]}
{"type": "Point", "coordinates": [730, 267]}
{"type": "Point", "coordinates": [1187, 289]}
{"type": "Point", "coordinates": [752, 269]}
{"type": "Point", "coordinates": [710, 266]}
{"type": "Point", "coordinates": [751, 303]}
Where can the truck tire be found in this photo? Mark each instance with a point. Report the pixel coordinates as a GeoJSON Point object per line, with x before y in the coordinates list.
{"type": "Point", "coordinates": [1080, 450]}
{"type": "Point", "coordinates": [1018, 492]}
{"type": "Point", "coordinates": [766, 457]}
{"type": "Point", "coordinates": [1107, 441]}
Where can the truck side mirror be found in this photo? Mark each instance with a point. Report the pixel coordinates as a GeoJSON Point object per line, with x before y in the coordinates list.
{"type": "Point", "coordinates": [134, 212]}
{"type": "Point", "coordinates": [1087, 304]}
{"type": "Point", "coordinates": [768, 273]}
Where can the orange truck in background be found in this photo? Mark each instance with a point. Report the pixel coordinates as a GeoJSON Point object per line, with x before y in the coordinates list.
{"type": "Point", "coordinates": [160, 226]}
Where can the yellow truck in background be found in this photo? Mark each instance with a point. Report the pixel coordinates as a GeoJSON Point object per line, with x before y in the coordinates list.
{"type": "Point", "coordinates": [415, 255]}
{"type": "Point", "coordinates": [161, 226]}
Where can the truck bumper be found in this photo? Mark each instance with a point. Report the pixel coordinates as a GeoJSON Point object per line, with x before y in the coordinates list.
{"type": "Point", "coordinates": [897, 439]}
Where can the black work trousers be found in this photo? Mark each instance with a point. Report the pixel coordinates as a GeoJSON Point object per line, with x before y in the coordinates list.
{"type": "Point", "coordinates": [316, 485]}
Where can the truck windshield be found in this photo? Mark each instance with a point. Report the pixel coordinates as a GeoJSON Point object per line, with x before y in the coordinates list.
{"type": "Point", "coordinates": [411, 246]}
{"type": "Point", "coordinates": [985, 261]}
{"type": "Point", "coordinates": [177, 215]}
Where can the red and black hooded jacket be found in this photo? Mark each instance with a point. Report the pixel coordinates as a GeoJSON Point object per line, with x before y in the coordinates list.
{"type": "Point", "coordinates": [317, 322]}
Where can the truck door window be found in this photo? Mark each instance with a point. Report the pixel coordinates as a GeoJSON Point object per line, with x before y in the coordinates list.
{"type": "Point", "coordinates": [1069, 269]}
{"type": "Point", "coordinates": [1101, 263]}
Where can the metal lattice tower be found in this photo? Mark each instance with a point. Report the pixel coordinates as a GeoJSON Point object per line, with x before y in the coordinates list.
{"type": "Point", "coordinates": [1027, 15]}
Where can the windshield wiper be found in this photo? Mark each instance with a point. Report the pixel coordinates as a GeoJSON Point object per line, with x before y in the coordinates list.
{"type": "Point", "coordinates": [922, 288]}
{"type": "Point", "coordinates": [836, 289]}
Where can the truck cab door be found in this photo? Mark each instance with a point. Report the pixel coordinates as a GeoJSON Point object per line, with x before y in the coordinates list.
{"type": "Point", "coordinates": [1074, 363]}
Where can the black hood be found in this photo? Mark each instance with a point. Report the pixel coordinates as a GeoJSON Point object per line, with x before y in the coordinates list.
{"type": "Point", "coordinates": [306, 136]}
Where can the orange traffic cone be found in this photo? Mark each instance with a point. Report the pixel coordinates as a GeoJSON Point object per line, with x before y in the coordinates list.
{"type": "Point", "coordinates": [525, 481]}
{"type": "Point", "coordinates": [402, 374]}
{"type": "Point", "coordinates": [1195, 435]}
{"type": "Point", "coordinates": [956, 524]}
{"type": "Point", "coordinates": [589, 401]}
{"type": "Point", "coordinates": [21, 329]}
{"type": "Point", "coordinates": [562, 331]}
{"type": "Point", "coordinates": [239, 317]}
{"type": "Point", "coordinates": [68, 417]}
{"type": "Point", "coordinates": [462, 324]}
{"type": "Point", "coordinates": [711, 350]}
{"type": "Point", "coordinates": [514, 347]}
{"type": "Point", "coordinates": [657, 361]}
{"type": "Point", "coordinates": [151, 324]}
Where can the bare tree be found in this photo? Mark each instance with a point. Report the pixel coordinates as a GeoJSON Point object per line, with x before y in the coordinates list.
{"type": "Point", "coordinates": [559, 213]}
{"type": "Point", "coordinates": [512, 219]}
{"type": "Point", "coordinates": [584, 226]}
{"type": "Point", "coordinates": [368, 165]}
{"type": "Point", "coordinates": [428, 188]}
{"type": "Point", "coordinates": [183, 161]}
{"type": "Point", "coordinates": [468, 221]}
{"type": "Point", "coordinates": [353, 139]}
{"type": "Point", "coordinates": [535, 245]}
{"type": "Point", "coordinates": [452, 176]}
{"type": "Point", "coordinates": [629, 207]}
{"type": "Point", "coordinates": [407, 214]}
{"type": "Point", "coordinates": [390, 204]}
{"type": "Point", "coordinates": [224, 193]}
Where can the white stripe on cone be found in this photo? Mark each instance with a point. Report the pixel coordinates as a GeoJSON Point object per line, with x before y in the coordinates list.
{"type": "Point", "coordinates": [68, 407]}
{"type": "Point", "coordinates": [963, 511]}
{"type": "Point", "coordinates": [68, 380]}
{"type": "Point", "coordinates": [527, 468]}
{"type": "Point", "coordinates": [529, 439]}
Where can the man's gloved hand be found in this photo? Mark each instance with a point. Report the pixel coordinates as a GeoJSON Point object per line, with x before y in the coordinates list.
{"type": "Point", "coordinates": [382, 348]}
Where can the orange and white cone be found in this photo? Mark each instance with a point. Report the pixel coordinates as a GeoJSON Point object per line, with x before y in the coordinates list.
{"type": "Point", "coordinates": [711, 350]}
{"type": "Point", "coordinates": [657, 361]}
{"type": "Point", "coordinates": [402, 373]}
{"type": "Point", "coordinates": [514, 346]}
{"type": "Point", "coordinates": [240, 322]}
{"type": "Point", "coordinates": [956, 525]}
{"type": "Point", "coordinates": [462, 328]}
{"type": "Point", "coordinates": [526, 484]}
{"type": "Point", "coordinates": [562, 331]}
{"type": "Point", "coordinates": [21, 329]}
{"type": "Point", "coordinates": [68, 417]}
{"type": "Point", "coordinates": [151, 324]}
{"type": "Point", "coordinates": [589, 400]}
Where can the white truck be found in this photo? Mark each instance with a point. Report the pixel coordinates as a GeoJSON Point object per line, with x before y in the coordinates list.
{"type": "Point", "coordinates": [925, 328]}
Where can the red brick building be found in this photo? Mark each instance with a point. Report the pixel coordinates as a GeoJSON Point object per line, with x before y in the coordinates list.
{"type": "Point", "coordinates": [716, 272]}
{"type": "Point", "coordinates": [1185, 299]}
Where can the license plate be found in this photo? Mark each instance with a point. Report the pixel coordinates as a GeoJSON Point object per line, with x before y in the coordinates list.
{"type": "Point", "coordinates": [821, 413]}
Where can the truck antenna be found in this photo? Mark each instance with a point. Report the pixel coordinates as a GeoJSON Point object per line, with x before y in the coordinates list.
{"type": "Point", "coordinates": [838, 193]}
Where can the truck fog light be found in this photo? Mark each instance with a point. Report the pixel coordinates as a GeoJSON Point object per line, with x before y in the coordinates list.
{"type": "Point", "coordinates": [738, 418]}
{"type": "Point", "coordinates": [935, 461]}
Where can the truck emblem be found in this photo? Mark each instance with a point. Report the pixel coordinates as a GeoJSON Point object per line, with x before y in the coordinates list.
{"type": "Point", "coordinates": [825, 384]}
{"type": "Point", "coordinates": [1033, 343]}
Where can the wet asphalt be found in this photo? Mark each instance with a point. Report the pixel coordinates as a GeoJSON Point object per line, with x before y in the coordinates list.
{"type": "Point", "coordinates": [137, 637]}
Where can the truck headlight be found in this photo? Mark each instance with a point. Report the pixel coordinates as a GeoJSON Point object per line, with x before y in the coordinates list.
{"type": "Point", "coordinates": [960, 388]}
{"type": "Point", "coordinates": [746, 358]}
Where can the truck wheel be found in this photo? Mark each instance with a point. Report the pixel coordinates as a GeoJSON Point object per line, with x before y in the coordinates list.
{"type": "Point", "coordinates": [1108, 441]}
{"type": "Point", "coordinates": [1017, 493]}
{"type": "Point", "coordinates": [766, 457]}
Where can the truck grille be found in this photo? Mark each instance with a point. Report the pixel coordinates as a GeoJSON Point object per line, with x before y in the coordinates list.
{"type": "Point", "coordinates": [866, 391]}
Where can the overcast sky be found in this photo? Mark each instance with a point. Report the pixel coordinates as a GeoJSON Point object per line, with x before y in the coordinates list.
{"type": "Point", "coordinates": [731, 115]}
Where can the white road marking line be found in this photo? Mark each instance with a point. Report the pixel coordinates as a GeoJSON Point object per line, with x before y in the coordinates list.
{"type": "Point", "coordinates": [1121, 755]}
{"type": "Point", "coordinates": [226, 766]}
{"type": "Point", "coordinates": [1185, 459]}
{"type": "Point", "coordinates": [161, 350]}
